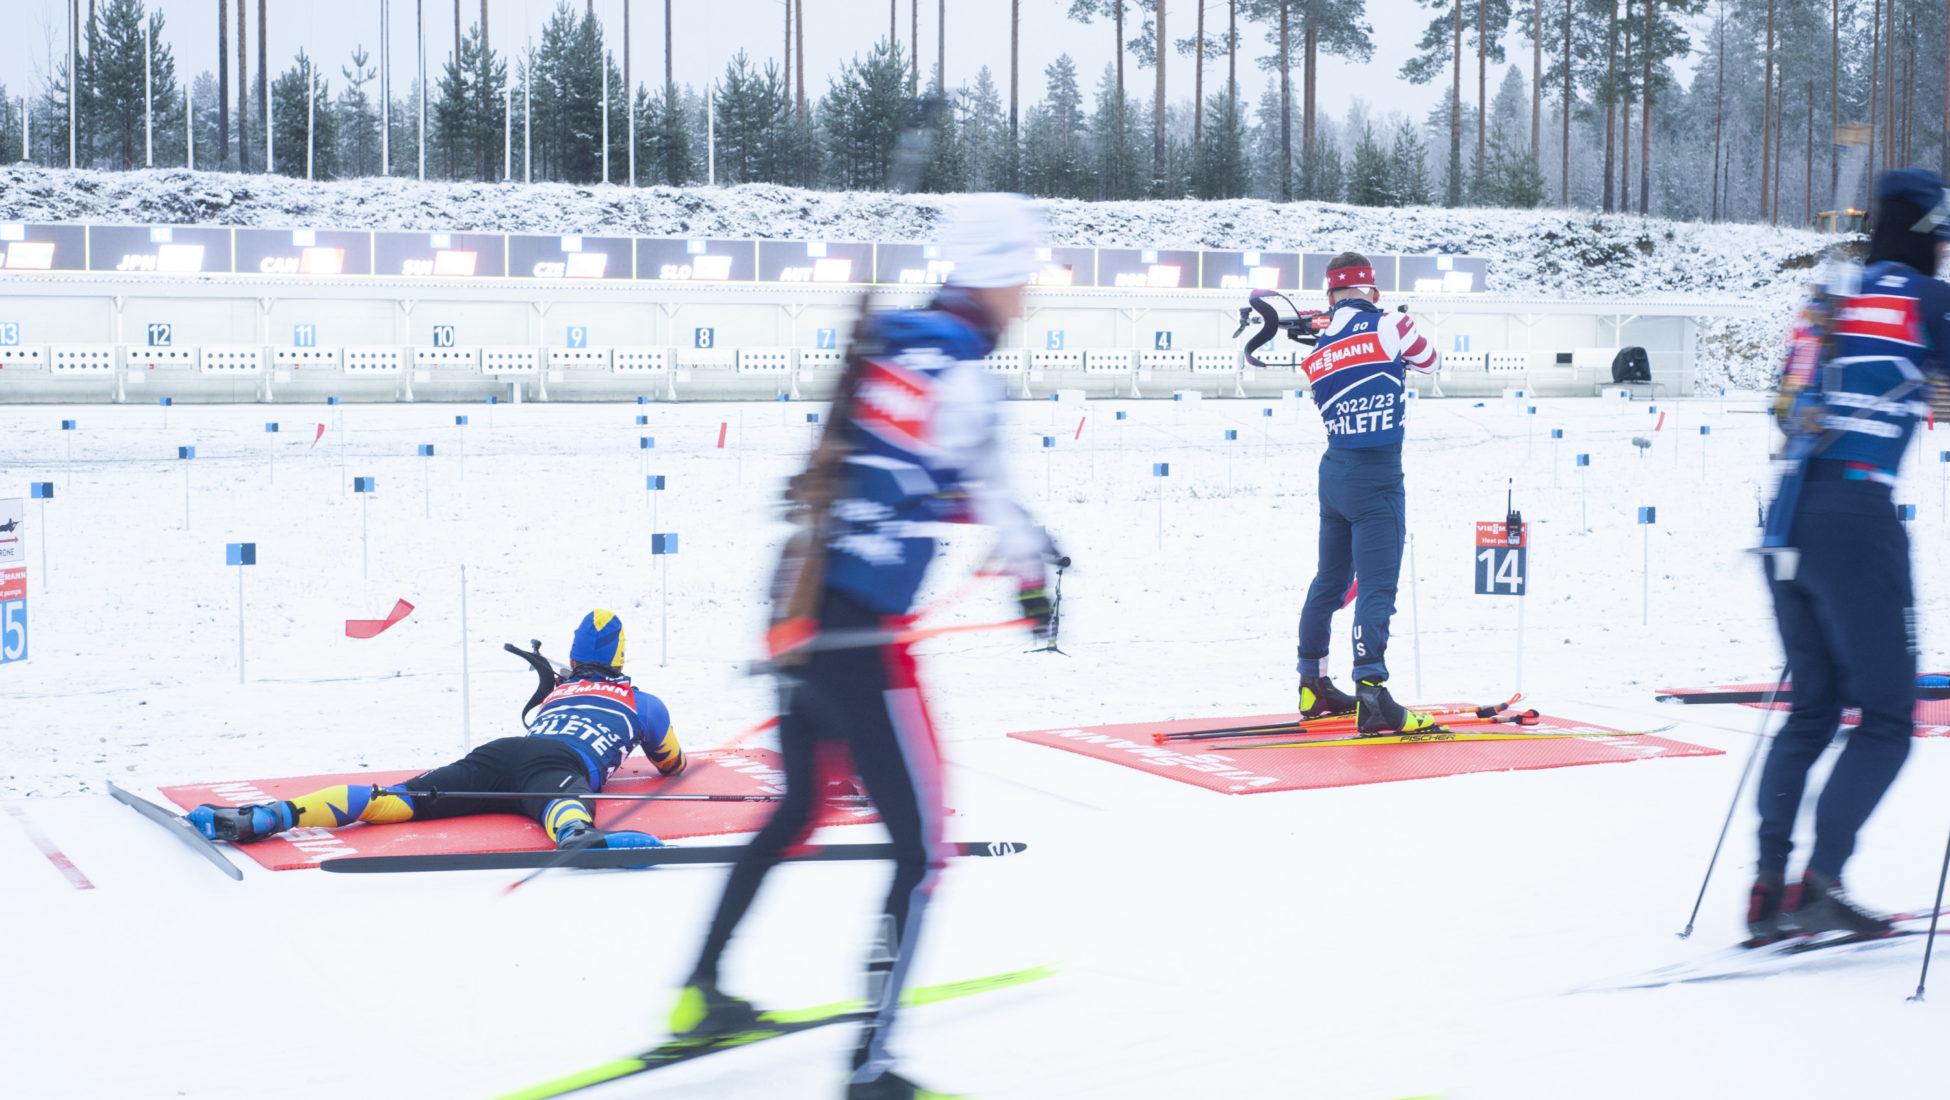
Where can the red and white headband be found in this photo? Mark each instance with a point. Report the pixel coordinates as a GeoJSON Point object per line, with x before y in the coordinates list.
{"type": "Point", "coordinates": [1348, 278]}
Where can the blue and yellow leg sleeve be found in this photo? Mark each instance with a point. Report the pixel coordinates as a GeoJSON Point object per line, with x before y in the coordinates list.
{"type": "Point", "coordinates": [347, 803]}
{"type": "Point", "coordinates": [563, 812]}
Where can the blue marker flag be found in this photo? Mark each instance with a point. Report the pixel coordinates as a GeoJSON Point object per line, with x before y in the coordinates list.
{"type": "Point", "coordinates": [653, 481]}
{"type": "Point", "coordinates": [67, 425]}
{"type": "Point", "coordinates": [1122, 415]}
{"type": "Point", "coordinates": [1049, 441]}
{"type": "Point", "coordinates": [663, 544]}
{"type": "Point", "coordinates": [240, 553]}
{"type": "Point", "coordinates": [362, 485]}
{"type": "Point", "coordinates": [812, 418]}
{"type": "Point", "coordinates": [1266, 412]}
{"type": "Point", "coordinates": [1584, 460]}
{"type": "Point", "coordinates": [1530, 410]}
{"type": "Point", "coordinates": [493, 400]}
{"type": "Point", "coordinates": [186, 452]}
{"type": "Point", "coordinates": [1905, 512]}
{"type": "Point", "coordinates": [1648, 515]}
{"type": "Point", "coordinates": [782, 397]}
{"type": "Point", "coordinates": [1055, 397]}
{"type": "Point", "coordinates": [426, 450]}
{"type": "Point", "coordinates": [1650, 409]}
{"type": "Point", "coordinates": [270, 425]}
{"type": "Point", "coordinates": [1943, 456]}
{"type": "Point", "coordinates": [1161, 469]}
{"type": "Point", "coordinates": [41, 490]}
{"type": "Point", "coordinates": [646, 443]}
{"type": "Point", "coordinates": [165, 401]}
{"type": "Point", "coordinates": [1232, 433]}
{"type": "Point", "coordinates": [643, 420]}
{"type": "Point", "coordinates": [1178, 396]}
{"type": "Point", "coordinates": [642, 400]}
{"type": "Point", "coordinates": [1706, 429]}
{"type": "Point", "coordinates": [1557, 433]}
{"type": "Point", "coordinates": [331, 401]}
{"type": "Point", "coordinates": [461, 420]}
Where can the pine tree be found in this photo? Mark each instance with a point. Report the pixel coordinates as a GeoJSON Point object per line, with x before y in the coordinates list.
{"type": "Point", "coordinates": [358, 121]}
{"type": "Point", "coordinates": [1220, 169]}
{"type": "Point", "coordinates": [209, 122]}
{"type": "Point", "coordinates": [567, 102]}
{"type": "Point", "coordinates": [1408, 169]}
{"type": "Point", "coordinates": [947, 167]}
{"type": "Point", "coordinates": [9, 128]}
{"type": "Point", "coordinates": [1368, 179]}
{"type": "Point", "coordinates": [113, 94]}
{"type": "Point", "coordinates": [984, 132]}
{"type": "Point", "coordinates": [749, 105]}
{"type": "Point", "coordinates": [1321, 175]}
{"type": "Point", "coordinates": [863, 112]}
{"type": "Point", "coordinates": [670, 132]}
{"type": "Point", "coordinates": [291, 119]}
{"type": "Point", "coordinates": [1056, 140]}
{"type": "Point", "coordinates": [1114, 144]}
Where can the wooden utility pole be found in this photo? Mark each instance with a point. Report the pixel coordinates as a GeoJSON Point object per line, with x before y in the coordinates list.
{"type": "Point", "coordinates": [456, 34]}
{"type": "Point", "coordinates": [800, 48]}
{"type": "Point", "coordinates": [1536, 75]}
{"type": "Point", "coordinates": [941, 49]}
{"type": "Point", "coordinates": [223, 83]}
{"type": "Point", "coordinates": [264, 78]}
{"type": "Point", "coordinates": [1232, 56]}
{"type": "Point", "coordinates": [1198, 76]}
{"type": "Point", "coordinates": [1158, 110]}
{"type": "Point", "coordinates": [243, 96]}
{"type": "Point", "coordinates": [1564, 169]}
{"type": "Point", "coordinates": [1310, 41]}
{"type": "Point", "coordinates": [1645, 116]}
{"type": "Point", "coordinates": [1015, 66]}
{"type": "Point", "coordinates": [668, 82]}
{"type": "Point", "coordinates": [1455, 116]}
{"type": "Point", "coordinates": [1482, 76]}
{"type": "Point", "coordinates": [914, 47]}
{"type": "Point", "coordinates": [1286, 110]}
{"type": "Point", "coordinates": [1767, 113]}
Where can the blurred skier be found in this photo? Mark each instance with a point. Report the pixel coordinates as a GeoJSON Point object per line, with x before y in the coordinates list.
{"type": "Point", "coordinates": [583, 729]}
{"type": "Point", "coordinates": [1358, 377]}
{"type": "Point", "coordinates": [1852, 392]}
{"type": "Point", "coordinates": [910, 441]}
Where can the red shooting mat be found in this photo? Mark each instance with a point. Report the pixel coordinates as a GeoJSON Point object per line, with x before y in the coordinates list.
{"type": "Point", "coordinates": [1250, 771]}
{"type": "Point", "coordinates": [734, 771]}
{"type": "Point", "coordinates": [1932, 716]}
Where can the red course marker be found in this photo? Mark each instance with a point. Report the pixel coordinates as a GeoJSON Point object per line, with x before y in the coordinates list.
{"type": "Point", "coordinates": [320, 434]}
{"type": "Point", "coordinates": [1661, 423]}
{"type": "Point", "coordinates": [372, 628]}
{"type": "Point", "coordinates": [722, 425]}
{"type": "Point", "coordinates": [1080, 421]}
{"type": "Point", "coordinates": [54, 855]}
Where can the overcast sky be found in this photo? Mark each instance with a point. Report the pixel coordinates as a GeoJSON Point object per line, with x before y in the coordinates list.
{"type": "Point", "coordinates": [707, 32]}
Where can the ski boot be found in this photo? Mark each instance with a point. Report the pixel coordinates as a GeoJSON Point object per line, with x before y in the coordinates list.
{"type": "Point", "coordinates": [241, 824]}
{"type": "Point", "coordinates": [892, 1086]}
{"type": "Point", "coordinates": [703, 1012]}
{"type": "Point", "coordinates": [1319, 698]}
{"type": "Point", "coordinates": [1381, 716]}
{"type": "Point", "coordinates": [580, 834]}
{"type": "Point", "coordinates": [1764, 910]}
{"type": "Point", "coordinates": [1819, 904]}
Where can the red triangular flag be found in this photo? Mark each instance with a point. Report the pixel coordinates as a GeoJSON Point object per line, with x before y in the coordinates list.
{"type": "Point", "coordinates": [372, 628]}
{"type": "Point", "coordinates": [318, 435]}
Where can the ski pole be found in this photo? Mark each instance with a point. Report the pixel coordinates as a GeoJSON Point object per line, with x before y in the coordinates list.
{"type": "Point", "coordinates": [1760, 735]}
{"type": "Point", "coordinates": [604, 796]}
{"type": "Point", "coordinates": [1936, 912]}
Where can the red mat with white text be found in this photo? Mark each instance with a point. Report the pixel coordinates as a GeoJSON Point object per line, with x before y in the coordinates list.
{"type": "Point", "coordinates": [1247, 771]}
{"type": "Point", "coordinates": [735, 771]}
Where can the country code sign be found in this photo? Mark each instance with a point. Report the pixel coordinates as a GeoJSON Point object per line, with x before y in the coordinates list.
{"type": "Point", "coordinates": [1500, 557]}
{"type": "Point", "coordinates": [13, 580]}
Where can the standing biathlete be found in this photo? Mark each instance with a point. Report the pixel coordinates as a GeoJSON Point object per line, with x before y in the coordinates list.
{"type": "Point", "coordinates": [910, 443]}
{"type": "Point", "coordinates": [583, 729]}
{"type": "Point", "coordinates": [1357, 373]}
{"type": "Point", "coordinates": [1854, 387]}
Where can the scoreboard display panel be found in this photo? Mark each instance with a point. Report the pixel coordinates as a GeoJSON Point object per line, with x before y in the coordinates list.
{"type": "Point", "coordinates": [441, 255]}
{"type": "Point", "coordinates": [696, 260]}
{"type": "Point", "coordinates": [43, 247]}
{"type": "Point", "coordinates": [815, 262]}
{"type": "Point", "coordinates": [159, 249]}
{"type": "Point", "coordinates": [1445, 274]}
{"type": "Point", "coordinates": [1147, 268]}
{"type": "Point", "coordinates": [304, 252]}
{"type": "Point", "coordinates": [910, 264]}
{"type": "Point", "coordinates": [1313, 271]}
{"type": "Point", "coordinates": [569, 257]}
{"type": "Point", "coordinates": [1249, 270]}
{"type": "Point", "coordinates": [1065, 265]}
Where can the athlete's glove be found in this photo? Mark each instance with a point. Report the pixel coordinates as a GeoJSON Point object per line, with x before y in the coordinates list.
{"type": "Point", "coordinates": [1033, 597]}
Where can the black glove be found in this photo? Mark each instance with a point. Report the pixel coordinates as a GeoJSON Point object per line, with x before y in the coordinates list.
{"type": "Point", "coordinates": [1033, 597]}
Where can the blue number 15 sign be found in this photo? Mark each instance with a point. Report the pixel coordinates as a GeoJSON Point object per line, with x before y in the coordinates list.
{"type": "Point", "coordinates": [1500, 558]}
{"type": "Point", "coordinates": [13, 582]}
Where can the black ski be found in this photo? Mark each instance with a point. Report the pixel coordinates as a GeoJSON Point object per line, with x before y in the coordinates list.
{"type": "Point", "coordinates": [180, 826]}
{"type": "Point", "coordinates": [633, 857]}
{"type": "Point", "coordinates": [1754, 961]}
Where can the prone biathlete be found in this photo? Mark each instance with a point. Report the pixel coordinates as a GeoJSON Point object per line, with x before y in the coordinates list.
{"type": "Point", "coordinates": [911, 443]}
{"type": "Point", "coordinates": [1357, 374]}
{"type": "Point", "coordinates": [1852, 393]}
{"type": "Point", "coordinates": [581, 733]}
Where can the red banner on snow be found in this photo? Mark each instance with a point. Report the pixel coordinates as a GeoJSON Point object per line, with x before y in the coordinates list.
{"type": "Point", "coordinates": [373, 628]}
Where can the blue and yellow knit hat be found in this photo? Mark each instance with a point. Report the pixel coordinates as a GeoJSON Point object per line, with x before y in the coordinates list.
{"type": "Point", "coordinates": [598, 640]}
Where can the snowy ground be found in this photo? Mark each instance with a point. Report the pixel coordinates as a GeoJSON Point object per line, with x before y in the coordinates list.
{"type": "Point", "coordinates": [1368, 943]}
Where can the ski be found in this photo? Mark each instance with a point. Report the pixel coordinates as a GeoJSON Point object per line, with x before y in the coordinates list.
{"type": "Point", "coordinates": [633, 857]}
{"type": "Point", "coordinates": [1437, 736]}
{"type": "Point", "coordinates": [1929, 686]}
{"type": "Point", "coordinates": [179, 825]}
{"type": "Point", "coordinates": [776, 1025]}
{"type": "Point", "coordinates": [1330, 723]}
{"type": "Point", "coordinates": [1742, 961]}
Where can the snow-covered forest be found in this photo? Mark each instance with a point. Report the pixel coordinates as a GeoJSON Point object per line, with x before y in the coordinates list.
{"type": "Point", "coordinates": [1688, 109]}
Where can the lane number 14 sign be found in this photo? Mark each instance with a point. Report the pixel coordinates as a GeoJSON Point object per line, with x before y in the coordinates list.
{"type": "Point", "coordinates": [1501, 552]}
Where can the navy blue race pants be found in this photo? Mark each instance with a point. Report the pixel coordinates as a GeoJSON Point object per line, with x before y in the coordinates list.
{"type": "Point", "coordinates": [1361, 532]}
{"type": "Point", "coordinates": [1847, 625]}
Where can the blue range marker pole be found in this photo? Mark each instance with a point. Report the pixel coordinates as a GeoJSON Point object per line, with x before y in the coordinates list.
{"type": "Point", "coordinates": [644, 445]}
{"type": "Point", "coordinates": [1584, 498]}
{"type": "Point", "coordinates": [1705, 430]}
{"type": "Point", "coordinates": [1049, 464]}
{"type": "Point", "coordinates": [1232, 436]}
{"type": "Point", "coordinates": [165, 402]}
{"type": "Point", "coordinates": [1557, 439]}
{"type": "Point", "coordinates": [460, 422]}
{"type": "Point", "coordinates": [42, 491]}
{"type": "Point", "coordinates": [240, 554]}
{"type": "Point", "coordinates": [664, 545]}
{"type": "Point", "coordinates": [1647, 517]}
{"type": "Point", "coordinates": [364, 487]}
{"type": "Point", "coordinates": [1160, 471]}
{"type": "Point", "coordinates": [68, 426]}
{"type": "Point", "coordinates": [652, 485]}
{"type": "Point", "coordinates": [184, 454]}
{"type": "Point", "coordinates": [426, 469]}
{"type": "Point", "coordinates": [1529, 423]}
{"type": "Point", "coordinates": [1943, 485]}
{"type": "Point", "coordinates": [271, 428]}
